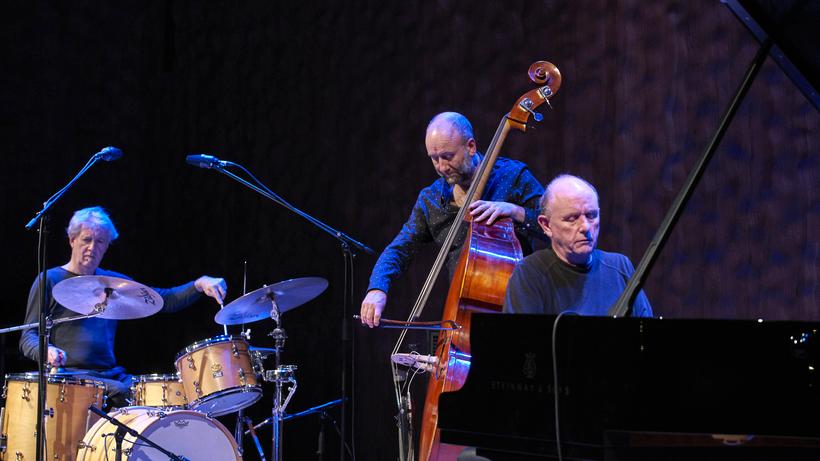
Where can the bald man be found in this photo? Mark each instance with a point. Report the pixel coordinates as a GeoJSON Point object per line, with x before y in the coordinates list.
{"type": "Point", "coordinates": [572, 275]}
{"type": "Point", "coordinates": [511, 192]}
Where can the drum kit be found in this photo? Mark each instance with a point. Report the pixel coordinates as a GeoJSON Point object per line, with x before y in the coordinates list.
{"type": "Point", "coordinates": [172, 413]}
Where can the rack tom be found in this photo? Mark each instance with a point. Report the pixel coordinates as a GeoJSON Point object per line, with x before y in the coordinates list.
{"type": "Point", "coordinates": [218, 375]}
{"type": "Point", "coordinates": [158, 390]}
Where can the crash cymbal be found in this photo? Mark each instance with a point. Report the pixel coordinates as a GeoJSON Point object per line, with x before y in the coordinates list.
{"type": "Point", "coordinates": [257, 304]}
{"type": "Point", "coordinates": [115, 298]}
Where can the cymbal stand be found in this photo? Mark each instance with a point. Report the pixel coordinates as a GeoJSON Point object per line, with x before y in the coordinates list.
{"type": "Point", "coordinates": [279, 376]}
{"type": "Point", "coordinates": [49, 323]}
{"type": "Point", "coordinates": [240, 416]}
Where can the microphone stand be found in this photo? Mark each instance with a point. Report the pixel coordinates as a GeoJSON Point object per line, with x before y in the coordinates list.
{"type": "Point", "coordinates": [42, 334]}
{"type": "Point", "coordinates": [123, 430]}
{"type": "Point", "coordinates": [349, 248]}
{"type": "Point", "coordinates": [324, 418]}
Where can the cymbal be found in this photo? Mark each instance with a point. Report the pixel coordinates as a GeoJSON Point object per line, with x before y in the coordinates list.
{"type": "Point", "coordinates": [117, 298]}
{"type": "Point", "coordinates": [256, 305]}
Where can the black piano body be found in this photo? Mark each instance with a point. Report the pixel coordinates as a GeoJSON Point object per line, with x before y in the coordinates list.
{"type": "Point", "coordinates": [634, 388]}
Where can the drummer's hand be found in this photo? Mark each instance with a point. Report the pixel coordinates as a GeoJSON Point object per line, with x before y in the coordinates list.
{"type": "Point", "coordinates": [213, 287]}
{"type": "Point", "coordinates": [372, 307]}
{"type": "Point", "coordinates": [56, 356]}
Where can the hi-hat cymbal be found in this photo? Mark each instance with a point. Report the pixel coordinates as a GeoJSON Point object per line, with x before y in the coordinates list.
{"type": "Point", "coordinates": [113, 297]}
{"type": "Point", "coordinates": [257, 304]}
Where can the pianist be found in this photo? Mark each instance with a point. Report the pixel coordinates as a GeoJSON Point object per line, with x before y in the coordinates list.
{"type": "Point", "coordinates": [571, 275]}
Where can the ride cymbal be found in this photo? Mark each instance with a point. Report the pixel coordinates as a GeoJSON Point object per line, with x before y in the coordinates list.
{"type": "Point", "coordinates": [257, 304]}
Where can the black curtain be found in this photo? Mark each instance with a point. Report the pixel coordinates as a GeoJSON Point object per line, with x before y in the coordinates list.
{"type": "Point", "coordinates": [327, 104]}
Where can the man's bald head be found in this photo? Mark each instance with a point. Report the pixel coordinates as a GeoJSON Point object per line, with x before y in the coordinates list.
{"type": "Point", "coordinates": [452, 148]}
{"type": "Point", "coordinates": [570, 217]}
{"type": "Point", "coordinates": [451, 122]}
{"type": "Point", "coordinates": [564, 184]}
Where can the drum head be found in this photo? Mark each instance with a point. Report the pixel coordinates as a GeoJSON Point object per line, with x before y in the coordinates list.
{"type": "Point", "coordinates": [228, 401]}
{"type": "Point", "coordinates": [189, 434]}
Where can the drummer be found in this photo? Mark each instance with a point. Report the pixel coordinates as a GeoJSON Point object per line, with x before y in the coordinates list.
{"type": "Point", "coordinates": [87, 345]}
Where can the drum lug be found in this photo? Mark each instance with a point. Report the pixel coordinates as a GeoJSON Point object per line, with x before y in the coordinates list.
{"type": "Point", "coordinates": [164, 393]}
{"type": "Point", "coordinates": [197, 388]}
{"type": "Point", "coordinates": [235, 349]}
{"type": "Point", "coordinates": [26, 392]}
{"type": "Point", "coordinates": [242, 379]}
{"type": "Point", "coordinates": [62, 392]}
{"type": "Point", "coordinates": [190, 360]}
{"type": "Point", "coordinates": [83, 445]}
{"type": "Point", "coordinates": [5, 389]}
{"type": "Point", "coordinates": [18, 456]}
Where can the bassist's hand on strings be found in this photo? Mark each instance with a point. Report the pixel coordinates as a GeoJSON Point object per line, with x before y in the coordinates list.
{"type": "Point", "coordinates": [482, 210]}
{"type": "Point", "coordinates": [372, 307]}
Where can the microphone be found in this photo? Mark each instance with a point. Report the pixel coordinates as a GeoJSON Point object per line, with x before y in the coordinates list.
{"type": "Point", "coordinates": [109, 154]}
{"type": "Point", "coordinates": [206, 161]}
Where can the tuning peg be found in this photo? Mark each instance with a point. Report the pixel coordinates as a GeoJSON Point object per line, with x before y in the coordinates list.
{"type": "Point", "coordinates": [527, 105]}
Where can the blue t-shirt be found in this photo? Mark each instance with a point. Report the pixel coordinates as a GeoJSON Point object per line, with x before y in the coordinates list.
{"type": "Point", "coordinates": [544, 284]}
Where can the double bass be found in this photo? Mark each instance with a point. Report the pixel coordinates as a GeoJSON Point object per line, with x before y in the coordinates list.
{"type": "Point", "coordinates": [486, 261]}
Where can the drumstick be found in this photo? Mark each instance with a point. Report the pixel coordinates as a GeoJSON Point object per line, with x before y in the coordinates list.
{"type": "Point", "coordinates": [224, 327]}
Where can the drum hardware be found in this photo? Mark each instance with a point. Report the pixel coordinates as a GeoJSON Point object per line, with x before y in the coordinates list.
{"type": "Point", "coordinates": [281, 375]}
{"type": "Point", "coordinates": [3, 437]}
{"type": "Point", "coordinates": [246, 421]}
{"type": "Point", "coordinates": [258, 368]}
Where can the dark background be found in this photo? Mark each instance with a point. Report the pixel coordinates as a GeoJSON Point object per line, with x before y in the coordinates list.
{"type": "Point", "coordinates": [327, 104]}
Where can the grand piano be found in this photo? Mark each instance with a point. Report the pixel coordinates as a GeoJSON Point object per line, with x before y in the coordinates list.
{"type": "Point", "coordinates": [635, 389]}
{"type": "Point", "coordinates": [653, 389]}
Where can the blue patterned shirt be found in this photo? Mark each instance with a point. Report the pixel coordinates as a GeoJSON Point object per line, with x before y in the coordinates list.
{"type": "Point", "coordinates": [434, 212]}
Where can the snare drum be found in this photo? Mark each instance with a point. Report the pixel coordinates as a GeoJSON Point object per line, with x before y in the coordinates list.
{"type": "Point", "coordinates": [218, 375]}
{"type": "Point", "coordinates": [190, 434]}
{"type": "Point", "coordinates": [155, 390]}
{"type": "Point", "coordinates": [67, 401]}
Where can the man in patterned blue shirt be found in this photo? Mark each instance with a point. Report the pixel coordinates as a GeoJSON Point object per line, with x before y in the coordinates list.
{"type": "Point", "coordinates": [511, 192]}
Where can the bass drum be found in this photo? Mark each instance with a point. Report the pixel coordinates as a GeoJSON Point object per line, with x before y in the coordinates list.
{"type": "Point", "coordinates": [190, 434]}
